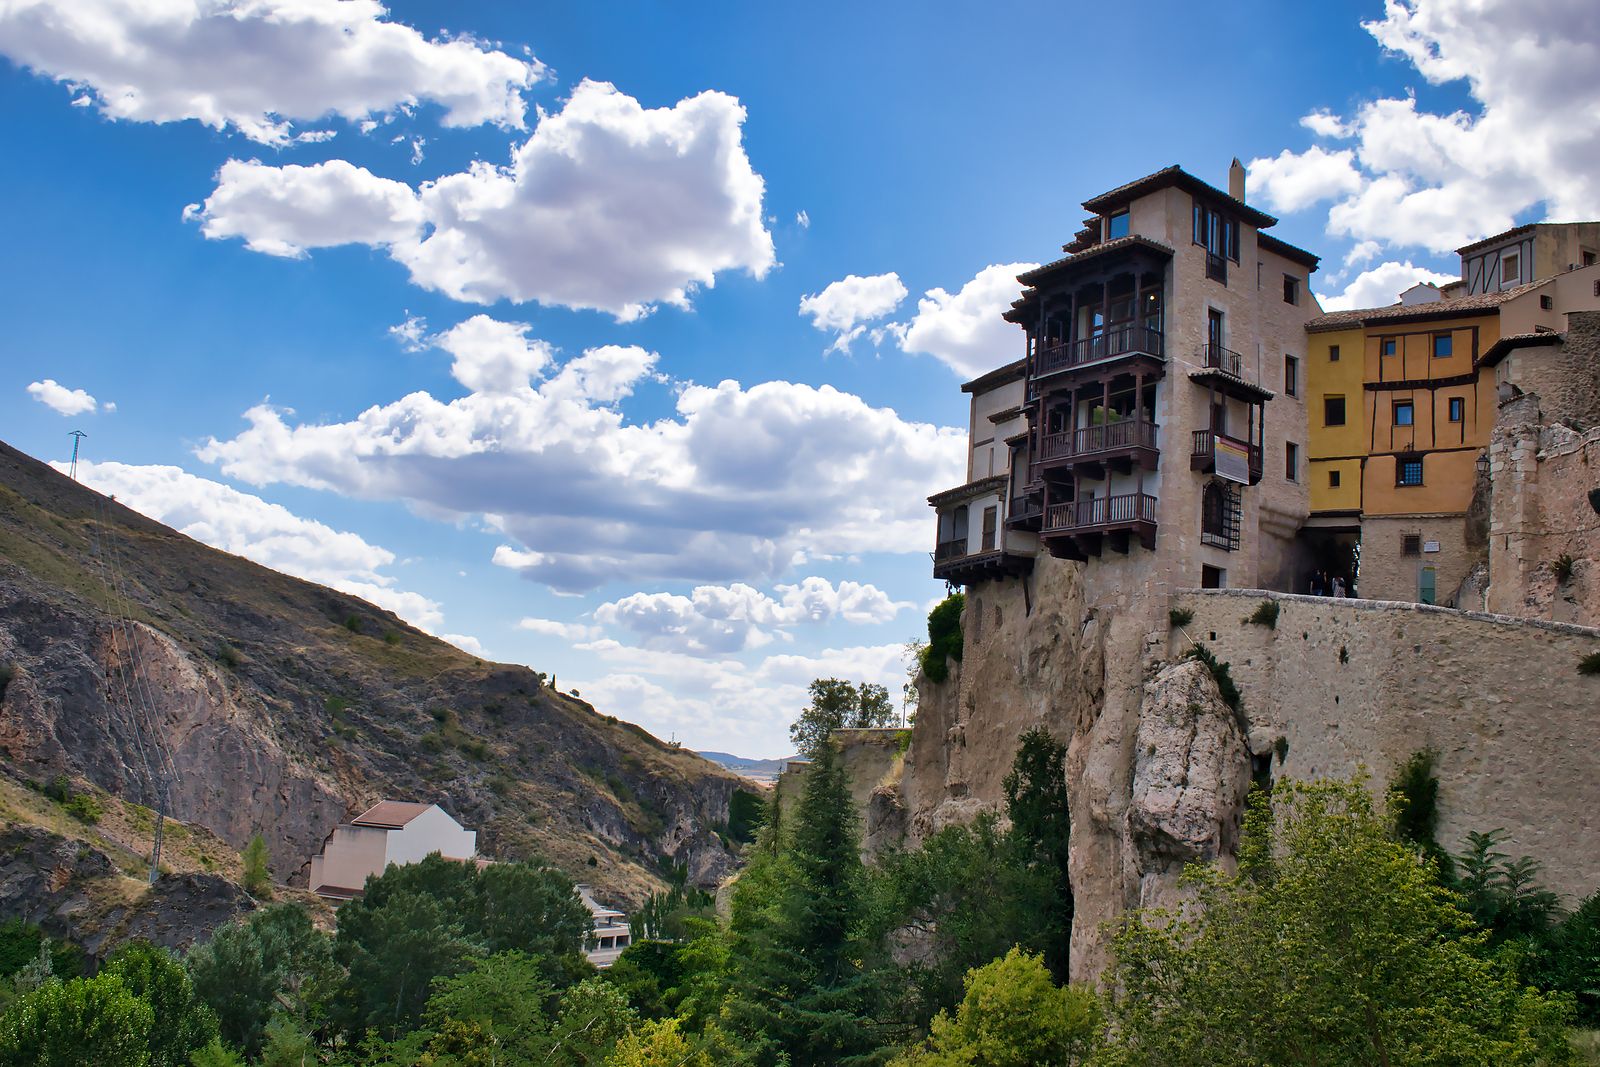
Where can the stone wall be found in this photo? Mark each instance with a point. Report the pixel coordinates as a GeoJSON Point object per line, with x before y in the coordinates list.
{"type": "Point", "coordinates": [1387, 573]}
{"type": "Point", "coordinates": [1351, 684]}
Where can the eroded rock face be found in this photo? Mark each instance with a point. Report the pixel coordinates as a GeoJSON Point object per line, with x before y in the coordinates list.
{"type": "Point", "coordinates": [1191, 774]}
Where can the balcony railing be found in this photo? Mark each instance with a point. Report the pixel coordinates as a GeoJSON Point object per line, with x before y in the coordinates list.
{"type": "Point", "coordinates": [1215, 357]}
{"type": "Point", "coordinates": [1117, 341]}
{"type": "Point", "coordinates": [1217, 267]}
{"type": "Point", "coordinates": [1203, 454]}
{"type": "Point", "coordinates": [1102, 511]}
{"type": "Point", "coordinates": [1129, 433]}
{"type": "Point", "coordinates": [949, 550]}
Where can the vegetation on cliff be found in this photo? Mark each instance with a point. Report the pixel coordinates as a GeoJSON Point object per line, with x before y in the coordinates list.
{"type": "Point", "coordinates": [944, 637]}
{"type": "Point", "coordinates": [839, 705]}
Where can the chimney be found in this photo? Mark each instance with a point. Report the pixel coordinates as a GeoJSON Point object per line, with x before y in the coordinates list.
{"type": "Point", "coordinates": [1236, 180]}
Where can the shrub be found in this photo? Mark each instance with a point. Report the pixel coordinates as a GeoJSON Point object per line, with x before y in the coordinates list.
{"type": "Point", "coordinates": [257, 880]}
{"type": "Point", "coordinates": [1224, 679]}
{"type": "Point", "coordinates": [59, 789]}
{"type": "Point", "coordinates": [85, 807]}
{"type": "Point", "coordinates": [228, 656]}
{"type": "Point", "coordinates": [1266, 614]}
{"type": "Point", "coordinates": [944, 637]}
{"type": "Point", "coordinates": [1563, 567]}
{"type": "Point", "coordinates": [1180, 617]}
{"type": "Point", "coordinates": [391, 637]}
{"type": "Point", "coordinates": [1589, 664]}
{"type": "Point", "coordinates": [352, 623]}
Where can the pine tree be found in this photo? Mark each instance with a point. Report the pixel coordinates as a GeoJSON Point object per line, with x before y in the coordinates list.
{"type": "Point", "coordinates": [257, 880]}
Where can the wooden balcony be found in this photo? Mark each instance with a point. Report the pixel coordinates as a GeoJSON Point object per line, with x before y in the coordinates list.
{"type": "Point", "coordinates": [1119, 342]}
{"type": "Point", "coordinates": [1120, 444]}
{"type": "Point", "coordinates": [954, 564]}
{"type": "Point", "coordinates": [1076, 529]}
{"type": "Point", "coordinates": [1239, 459]}
{"type": "Point", "coordinates": [1225, 370]}
{"type": "Point", "coordinates": [1025, 513]}
{"type": "Point", "coordinates": [1217, 267]}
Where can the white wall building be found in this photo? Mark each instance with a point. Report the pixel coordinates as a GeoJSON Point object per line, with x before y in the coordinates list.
{"type": "Point", "coordinates": [390, 831]}
{"type": "Point", "coordinates": [611, 931]}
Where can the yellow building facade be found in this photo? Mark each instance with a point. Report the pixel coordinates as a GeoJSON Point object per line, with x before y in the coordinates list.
{"type": "Point", "coordinates": [1336, 440]}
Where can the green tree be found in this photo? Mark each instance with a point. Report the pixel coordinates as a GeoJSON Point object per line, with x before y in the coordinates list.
{"type": "Point", "coordinates": [250, 969]}
{"type": "Point", "coordinates": [68, 1024]}
{"type": "Point", "coordinates": [836, 705]}
{"type": "Point", "coordinates": [944, 637]}
{"type": "Point", "coordinates": [21, 943]}
{"type": "Point", "coordinates": [1332, 945]}
{"type": "Point", "coordinates": [183, 1022]}
{"type": "Point", "coordinates": [1013, 1015]}
{"type": "Point", "coordinates": [649, 974]}
{"type": "Point", "coordinates": [1041, 831]}
{"type": "Point", "coordinates": [257, 879]}
{"type": "Point", "coordinates": [504, 996]}
{"type": "Point", "coordinates": [659, 1044]}
{"type": "Point", "coordinates": [594, 1016]}
{"type": "Point", "coordinates": [215, 1054]}
{"type": "Point", "coordinates": [1504, 895]}
{"type": "Point", "coordinates": [1571, 963]}
{"type": "Point", "coordinates": [287, 1044]}
{"type": "Point", "coordinates": [393, 954]}
{"type": "Point", "coordinates": [798, 986]}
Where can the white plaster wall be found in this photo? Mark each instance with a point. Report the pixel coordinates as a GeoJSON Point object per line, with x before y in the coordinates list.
{"type": "Point", "coordinates": [352, 854]}
{"type": "Point", "coordinates": [432, 831]}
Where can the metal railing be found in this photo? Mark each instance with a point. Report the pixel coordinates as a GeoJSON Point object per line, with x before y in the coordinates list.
{"type": "Point", "coordinates": [1217, 267]}
{"type": "Point", "coordinates": [1102, 511]}
{"type": "Point", "coordinates": [1215, 357]}
{"type": "Point", "coordinates": [1109, 344]}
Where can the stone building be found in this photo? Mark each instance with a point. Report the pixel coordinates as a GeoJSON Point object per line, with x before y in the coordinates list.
{"type": "Point", "coordinates": [1156, 425]}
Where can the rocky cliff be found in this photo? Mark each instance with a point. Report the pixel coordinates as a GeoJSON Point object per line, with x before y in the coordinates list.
{"type": "Point", "coordinates": [289, 706]}
{"type": "Point", "coordinates": [1159, 764]}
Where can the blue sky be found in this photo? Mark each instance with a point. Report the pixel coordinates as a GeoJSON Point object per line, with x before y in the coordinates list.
{"type": "Point", "coordinates": [529, 245]}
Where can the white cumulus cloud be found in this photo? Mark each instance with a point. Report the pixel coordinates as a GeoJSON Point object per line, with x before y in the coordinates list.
{"type": "Point", "coordinates": [64, 401]}
{"type": "Point", "coordinates": [845, 304]}
{"type": "Point", "coordinates": [731, 485]}
{"type": "Point", "coordinates": [964, 330]}
{"type": "Point", "coordinates": [1293, 181]}
{"type": "Point", "coordinates": [269, 534]}
{"type": "Point", "coordinates": [1382, 285]}
{"type": "Point", "coordinates": [607, 205]}
{"type": "Point", "coordinates": [259, 66]}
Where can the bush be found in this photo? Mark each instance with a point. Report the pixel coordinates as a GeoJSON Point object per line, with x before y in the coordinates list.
{"type": "Point", "coordinates": [59, 789]}
{"type": "Point", "coordinates": [1222, 676]}
{"type": "Point", "coordinates": [257, 879]}
{"type": "Point", "coordinates": [85, 807]}
{"type": "Point", "coordinates": [1562, 567]}
{"type": "Point", "coordinates": [944, 637]}
{"type": "Point", "coordinates": [1266, 614]}
{"type": "Point", "coordinates": [1589, 664]}
{"type": "Point", "coordinates": [1180, 617]}
{"type": "Point", "coordinates": [352, 623]}
{"type": "Point", "coordinates": [228, 656]}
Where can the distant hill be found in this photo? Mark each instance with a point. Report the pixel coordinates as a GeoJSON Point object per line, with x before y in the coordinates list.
{"type": "Point", "coordinates": [290, 706]}
{"type": "Point", "coordinates": [760, 770]}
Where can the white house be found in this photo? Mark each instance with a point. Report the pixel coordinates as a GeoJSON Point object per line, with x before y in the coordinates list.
{"type": "Point", "coordinates": [611, 931]}
{"type": "Point", "coordinates": [390, 831]}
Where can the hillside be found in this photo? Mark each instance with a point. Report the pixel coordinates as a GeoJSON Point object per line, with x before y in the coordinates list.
{"type": "Point", "coordinates": [765, 771]}
{"type": "Point", "coordinates": [289, 706]}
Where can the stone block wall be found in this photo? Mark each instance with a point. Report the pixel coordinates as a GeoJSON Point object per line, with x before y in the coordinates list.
{"type": "Point", "coordinates": [1387, 573]}
{"type": "Point", "coordinates": [1353, 684]}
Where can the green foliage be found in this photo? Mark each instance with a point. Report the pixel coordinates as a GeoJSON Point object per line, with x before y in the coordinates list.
{"type": "Point", "coordinates": [228, 656]}
{"type": "Point", "coordinates": [1332, 944]}
{"type": "Point", "coordinates": [21, 943]}
{"type": "Point", "coordinates": [1589, 664]}
{"type": "Point", "coordinates": [216, 1054]}
{"type": "Point", "coordinates": [59, 789]}
{"type": "Point", "coordinates": [1414, 807]}
{"type": "Point", "coordinates": [271, 961]}
{"type": "Point", "coordinates": [1178, 618]}
{"type": "Point", "coordinates": [650, 974]}
{"type": "Point", "coordinates": [659, 1044]}
{"type": "Point", "coordinates": [746, 811]}
{"type": "Point", "coordinates": [95, 1020]}
{"type": "Point", "coordinates": [1266, 614]}
{"type": "Point", "coordinates": [1221, 674]}
{"type": "Point", "coordinates": [85, 807]}
{"type": "Point", "coordinates": [663, 916]}
{"type": "Point", "coordinates": [429, 920]}
{"type": "Point", "coordinates": [1013, 1015]}
{"type": "Point", "coordinates": [838, 705]}
{"type": "Point", "coordinates": [352, 623]}
{"type": "Point", "coordinates": [798, 988]}
{"type": "Point", "coordinates": [287, 1044]}
{"type": "Point", "coordinates": [1041, 826]}
{"type": "Point", "coordinates": [257, 880]}
{"type": "Point", "coordinates": [944, 637]}
{"type": "Point", "coordinates": [1562, 568]}
{"type": "Point", "coordinates": [182, 1021]}
{"type": "Point", "coordinates": [1503, 895]}
{"type": "Point", "coordinates": [1571, 960]}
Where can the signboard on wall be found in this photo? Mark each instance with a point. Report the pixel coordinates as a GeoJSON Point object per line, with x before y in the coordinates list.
{"type": "Point", "coordinates": [1232, 459]}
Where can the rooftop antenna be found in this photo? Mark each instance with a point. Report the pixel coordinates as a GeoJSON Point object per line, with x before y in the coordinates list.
{"type": "Point", "coordinates": [77, 436]}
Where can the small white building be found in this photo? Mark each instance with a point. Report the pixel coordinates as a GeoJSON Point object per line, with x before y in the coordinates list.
{"type": "Point", "coordinates": [390, 831]}
{"type": "Point", "coordinates": [611, 931]}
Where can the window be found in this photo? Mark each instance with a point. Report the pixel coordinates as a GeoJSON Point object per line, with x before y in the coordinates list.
{"type": "Point", "coordinates": [1510, 267]}
{"type": "Point", "coordinates": [1291, 289]}
{"type": "Point", "coordinates": [1457, 408]}
{"type": "Point", "coordinates": [1333, 411]}
{"type": "Point", "coordinates": [1547, 303]}
{"type": "Point", "coordinates": [1408, 470]}
{"type": "Point", "coordinates": [1333, 353]}
{"type": "Point", "coordinates": [990, 521]}
{"type": "Point", "coordinates": [1291, 375]}
{"type": "Point", "coordinates": [1219, 515]}
{"type": "Point", "coordinates": [1215, 232]}
{"type": "Point", "coordinates": [1291, 461]}
{"type": "Point", "coordinates": [1411, 544]}
{"type": "Point", "coordinates": [1588, 257]}
{"type": "Point", "coordinates": [1443, 345]}
{"type": "Point", "coordinates": [1117, 226]}
{"type": "Point", "coordinates": [1404, 413]}
{"type": "Point", "coordinates": [1213, 577]}
{"type": "Point", "coordinates": [1333, 479]}
{"type": "Point", "coordinates": [1386, 346]}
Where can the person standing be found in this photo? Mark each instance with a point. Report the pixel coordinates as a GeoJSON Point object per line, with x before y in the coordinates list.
{"type": "Point", "coordinates": [1338, 587]}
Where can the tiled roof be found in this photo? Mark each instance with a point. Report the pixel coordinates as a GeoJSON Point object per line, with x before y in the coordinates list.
{"type": "Point", "coordinates": [1287, 250]}
{"type": "Point", "coordinates": [999, 376]}
{"type": "Point", "coordinates": [971, 489]}
{"type": "Point", "coordinates": [1502, 348]}
{"type": "Point", "coordinates": [1117, 244]}
{"type": "Point", "coordinates": [1174, 175]}
{"type": "Point", "coordinates": [1478, 303]}
{"type": "Point", "coordinates": [1495, 239]}
{"type": "Point", "coordinates": [389, 814]}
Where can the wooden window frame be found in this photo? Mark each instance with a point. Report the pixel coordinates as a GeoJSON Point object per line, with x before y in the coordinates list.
{"type": "Point", "coordinates": [1411, 408]}
{"type": "Point", "coordinates": [1456, 409]}
{"type": "Point", "coordinates": [1343, 413]}
{"type": "Point", "coordinates": [1401, 462]}
{"type": "Point", "coordinates": [1449, 342]}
